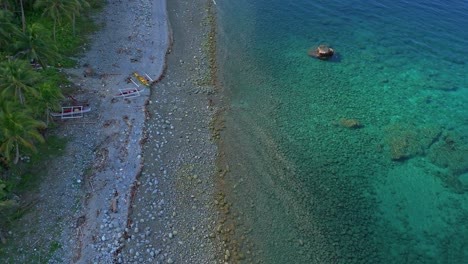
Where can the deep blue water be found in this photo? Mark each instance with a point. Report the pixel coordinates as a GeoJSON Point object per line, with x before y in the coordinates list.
{"type": "Point", "coordinates": [307, 188]}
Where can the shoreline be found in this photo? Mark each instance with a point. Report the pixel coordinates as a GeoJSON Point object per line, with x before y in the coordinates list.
{"type": "Point", "coordinates": [174, 216]}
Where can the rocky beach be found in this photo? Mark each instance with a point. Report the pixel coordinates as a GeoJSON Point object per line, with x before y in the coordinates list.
{"type": "Point", "coordinates": [136, 182]}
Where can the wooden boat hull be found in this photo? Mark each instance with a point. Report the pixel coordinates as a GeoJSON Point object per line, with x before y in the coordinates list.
{"type": "Point", "coordinates": [71, 111]}
{"type": "Point", "coordinates": [128, 93]}
{"type": "Point", "coordinates": [142, 79]}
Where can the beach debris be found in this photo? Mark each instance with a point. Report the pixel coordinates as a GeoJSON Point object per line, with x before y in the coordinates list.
{"type": "Point", "coordinates": [35, 65]}
{"type": "Point", "coordinates": [76, 102]}
{"type": "Point", "coordinates": [323, 52]}
{"type": "Point", "coordinates": [124, 50]}
{"type": "Point", "coordinates": [88, 72]}
{"type": "Point", "coordinates": [101, 159]}
{"type": "Point", "coordinates": [114, 205]}
{"type": "Point", "coordinates": [80, 221]}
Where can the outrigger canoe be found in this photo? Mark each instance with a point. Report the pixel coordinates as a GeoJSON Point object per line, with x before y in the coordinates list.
{"type": "Point", "coordinates": [128, 93]}
{"type": "Point", "coordinates": [141, 79]}
{"type": "Point", "coordinates": [69, 111]}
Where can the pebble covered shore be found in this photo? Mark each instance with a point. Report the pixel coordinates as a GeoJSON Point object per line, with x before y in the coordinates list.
{"type": "Point", "coordinates": [137, 180]}
{"type": "Point", "coordinates": [174, 216]}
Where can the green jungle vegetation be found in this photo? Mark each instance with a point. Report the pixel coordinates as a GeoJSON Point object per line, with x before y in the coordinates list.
{"type": "Point", "coordinates": [37, 39]}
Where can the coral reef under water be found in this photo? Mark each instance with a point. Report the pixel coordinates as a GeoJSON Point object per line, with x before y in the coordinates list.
{"type": "Point", "coordinates": [447, 150]}
{"type": "Point", "coordinates": [405, 141]}
{"type": "Point", "coordinates": [451, 152]}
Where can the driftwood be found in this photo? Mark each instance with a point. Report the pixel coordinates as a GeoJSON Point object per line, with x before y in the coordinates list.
{"type": "Point", "coordinates": [114, 205]}
{"type": "Point", "coordinates": [75, 101]}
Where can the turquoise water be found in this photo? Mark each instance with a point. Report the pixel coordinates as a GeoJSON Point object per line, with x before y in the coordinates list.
{"type": "Point", "coordinates": [360, 159]}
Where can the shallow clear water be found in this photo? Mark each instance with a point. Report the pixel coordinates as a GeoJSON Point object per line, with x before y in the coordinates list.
{"type": "Point", "coordinates": [307, 188]}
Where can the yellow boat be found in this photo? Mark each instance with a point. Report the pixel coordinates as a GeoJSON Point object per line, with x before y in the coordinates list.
{"type": "Point", "coordinates": [142, 79]}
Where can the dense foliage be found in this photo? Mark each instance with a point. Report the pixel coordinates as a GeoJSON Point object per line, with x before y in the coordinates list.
{"type": "Point", "coordinates": [36, 36]}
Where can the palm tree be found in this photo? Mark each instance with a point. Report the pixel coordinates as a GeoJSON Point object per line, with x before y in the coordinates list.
{"type": "Point", "coordinates": [17, 129]}
{"type": "Point", "coordinates": [5, 201]}
{"type": "Point", "coordinates": [13, 6]}
{"type": "Point", "coordinates": [34, 44]}
{"type": "Point", "coordinates": [17, 78]}
{"type": "Point", "coordinates": [8, 28]}
{"type": "Point", "coordinates": [23, 17]}
{"type": "Point", "coordinates": [57, 9]}
{"type": "Point", "coordinates": [78, 6]}
{"type": "Point", "coordinates": [48, 97]}
{"type": "Point", "coordinates": [5, 4]}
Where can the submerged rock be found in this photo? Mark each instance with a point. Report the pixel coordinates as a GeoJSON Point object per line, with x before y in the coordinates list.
{"type": "Point", "coordinates": [322, 52]}
{"type": "Point", "coordinates": [350, 123]}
